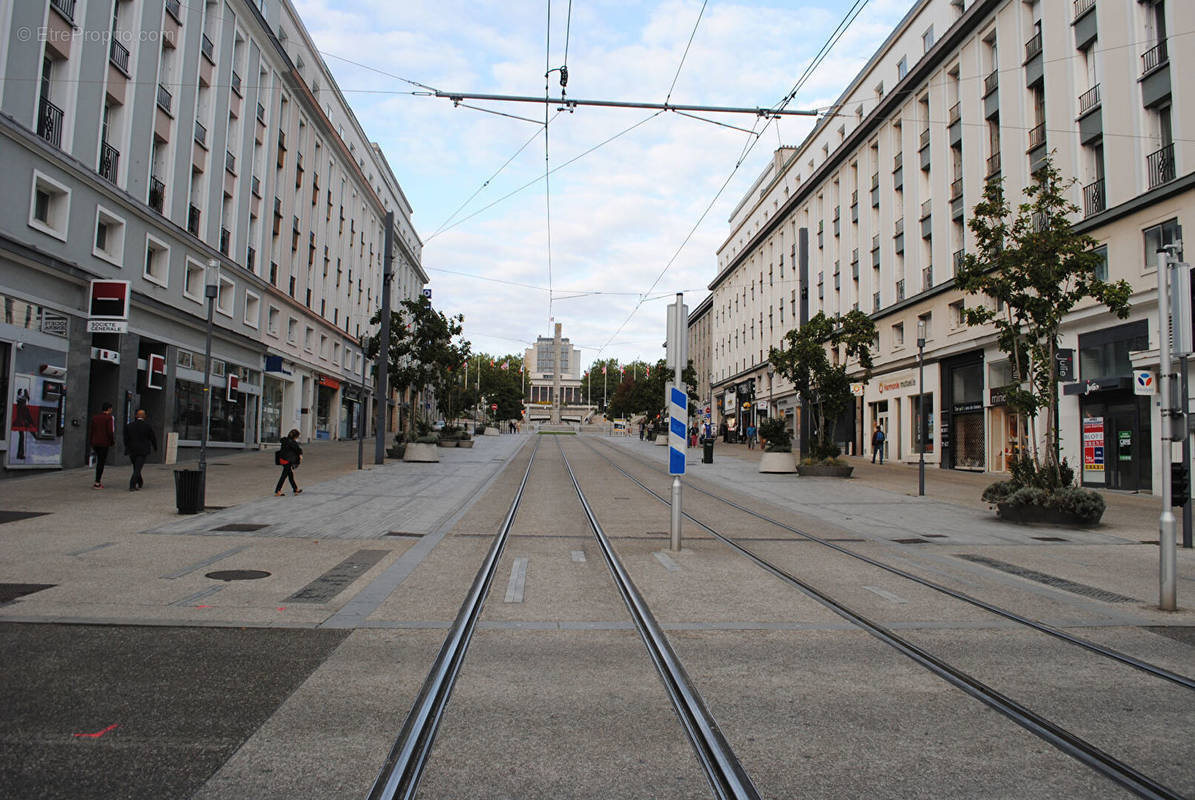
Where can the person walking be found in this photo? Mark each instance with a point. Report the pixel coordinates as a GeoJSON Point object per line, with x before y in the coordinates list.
{"type": "Point", "coordinates": [101, 436]}
{"type": "Point", "coordinates": [289, 456]}
{"type": "Point", "coordinates": [139, 441]}
{"type": "Point", "coordinates": [877, 443]}
{"type": "Point", "coordinates": [642, 429]}
{"type": "Point", "coordinates": [751, 436]}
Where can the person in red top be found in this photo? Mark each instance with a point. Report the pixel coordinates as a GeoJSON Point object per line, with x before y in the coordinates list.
{"type": "Point", "coordinates": [101, 437]}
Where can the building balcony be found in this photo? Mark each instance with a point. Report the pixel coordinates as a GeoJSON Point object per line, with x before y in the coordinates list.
{"type": "Point", "coordinates": [991, 83]}
{"type": "Point", "coordinates": [255, 186]}
{"type": "Point", "coordinates": [208, 49]}
{"type": "Point", "coordinates": [900, 290]}
{"type": "Point", "coordinates": [927, 278]}
{"type": "Point", "coordinates": [1094, 200]}
{"type": "Point", "coordinates": [1033, 47]}
{"type": "Point", "coordinates": [957, 260]}
{"type": "Point", "coordinates": [200, 134]}
{"type": "Point", "coordinates": [118, 54]}
{"type": "Point", "coordinates": [49, 121]}
{"type": "Point", "coordinates": [230, 163]}
{"type": "Point", "coordinates": [1089, 100]}
{"type": "Point", "coordinates": [157, 194]}
{"type": "Point", "coordinates": [1160, 166]}
{"type": "Point", "coordinates": [1082, 7]}
{"type": "Point", "coordinates": [165, 99]}
{"type": "Point", "coordinates": [174, 9]}
{"type": "Point", "coordinates": [993, 164]}
{"type": "Point", "coordinates": [955, 114]}
{"type": "Point", "coordinates": [1037, 136]}
{"type": "Point", "coordinates": [236, 83]}
{"type": "Point", "coordinates": [923, 140]}
{"type": "Point", "coordinates": [261, 113]}
{"type": "Point", "coordinates": [899, 227]}
{"type": "Point", "coordinates": [956, 189]}
{"type": "Point", "coordinates": [1153, 58]}
{"type": "Point", "coordinates": [926, 208]}
{"type": "Point", "coordinates": [898, 161]}
{"type": "Point", "coordinates": [193, 220]}
{"type": "Point", "coordinates": [109, 162]}
{"type": "Point", "coordinates": [65, 7]}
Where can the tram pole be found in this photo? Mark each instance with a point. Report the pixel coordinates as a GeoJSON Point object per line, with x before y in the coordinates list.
{"type": "Point", "coordinates": [1167, 599]}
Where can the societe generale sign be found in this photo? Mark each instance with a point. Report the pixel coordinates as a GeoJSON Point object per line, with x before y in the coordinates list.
{"type": "Point", "coordinates": [108, 307]}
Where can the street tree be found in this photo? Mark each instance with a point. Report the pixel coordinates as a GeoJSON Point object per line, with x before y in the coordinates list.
{"type": "Point", "coordinates": [1034, 269]}
{"type": "Point", "coordinates": [805, 361]}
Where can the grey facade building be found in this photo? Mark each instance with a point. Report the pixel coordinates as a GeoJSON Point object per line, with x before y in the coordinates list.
{"type": "Point", "coordinates": [147, 142]}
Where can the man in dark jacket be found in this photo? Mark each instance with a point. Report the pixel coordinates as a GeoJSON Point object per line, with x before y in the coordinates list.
{"type": "Point", "coordinates": [101, 436]}
{"type": "Point", "coordinates": [139, 441]}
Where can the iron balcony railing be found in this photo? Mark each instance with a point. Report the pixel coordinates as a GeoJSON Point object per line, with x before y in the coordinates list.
{"type": "Point", "coordinates": [207, 48]}
{"type": "Point", "coordinates": [927, 278]}
{"type": "Point", "coordinates": [256, 186]}
{"type": "Point", "coordinates": [250, 259]}
{"type": "Point", "coordinates": [926, 208]}
{"type": "Point", "coordinates": [173, 8]}
{"type": "Point", "coordinates": [956, 189]}
{"type": "Point", "coordinates": [1037, 136]}
{"type": "Point", "coordinates": [66, 8]}
{"type": "Point", "coordinates": [49, 122]}
{"type": "Point", "coordinates": [898, 161]}
{"type": "Point", "coordinates": [236, 83]}
{"type": "Point", "coordinates": [900, 290]}
{"type": "Point", "coordinates": [230, 162]}
{"type": "Point", "coordinates": [957, 260]}
{"type": "Point", "coordinates": [200, 133]}
{"type": "Point", "coordinates": [899, 227]}
{"type": "Point", "coordinates": [164, 98]}
{"type": "Point", "coordinates": [1153, 58]}
{"type": "Point", "coordinates": [924, 140]}
{"type": "Point", "coordinates": [991, 82]}
{"type": "Point", "coordinates": [875, 181]}
{"type": "Point", "coordinates": [261, 113]}
{"type": "Point", "coordinates": [875, 242]}
{"type": "Point", "coordinates": [1033, 47]}
{"type": "Point", "coordinates": [157, 194]}
{"type": "Point", "coordinates": [1081, 7]}
{"type": "Point", "coordinates": [109, 161]}
{"type": "Point", "coordinates": [956, 113]}
{"type": "Point", "coordinates": [193, 220]}
{"type": "Point", "coordinates": [1160, 166]}
{"type": "Point", "coordinates": [1093, 198]}
{"type": "Point", "coordinates": [875, 301]}
{"type": "Point", "coordinates": [993, 163]}
{"type": "Point", "coordinates": [118, 54]}
{"type": "Point", "coordinates": [855, 197]}
{"type": "Point", "coordinates": [1089, 99]}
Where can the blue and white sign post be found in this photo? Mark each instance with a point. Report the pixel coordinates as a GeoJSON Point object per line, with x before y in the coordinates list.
{"type": "Point", "coordinates": [678, 406]}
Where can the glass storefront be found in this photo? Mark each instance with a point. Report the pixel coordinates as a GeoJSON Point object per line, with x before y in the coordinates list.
{"type": "Point", "coordinates": [227, 419]}
{"type": "Point", "coordinates": [271, 410]}
{"type": "Point", "coordinates": [324, 419]}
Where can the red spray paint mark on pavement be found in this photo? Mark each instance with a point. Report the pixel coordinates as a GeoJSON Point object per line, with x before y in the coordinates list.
{"type": "Point", "coordinates": [97, 734]}
{"type": "Point", "coordinates": [281, 608]}
{"type": "Point", "coordinates": [203, 606]}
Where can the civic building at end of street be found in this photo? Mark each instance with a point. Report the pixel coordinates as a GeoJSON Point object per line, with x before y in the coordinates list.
{"type": "Point", "coordinates": [170, 147]}
{"type": "Point", "coordinates": [870, 212]}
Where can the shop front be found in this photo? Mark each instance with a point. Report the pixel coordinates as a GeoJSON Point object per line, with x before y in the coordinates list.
{"type": "Point", "coordinates": [894, 401]}
{"type": "Point", "coordinates": [233, 402]}
{"type": "Point", "coordinates": [961, 439]}
{"type": "Point", "coordinates": [33, 380]}
{"type": "Point", "coordinates": [352, 415]}
{"type": "Point", "coordinates": [1114, 423]}
{"type": "Point", "coordinates": [327, 411]}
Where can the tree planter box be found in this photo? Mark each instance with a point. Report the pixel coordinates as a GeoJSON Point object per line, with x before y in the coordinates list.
{"type": "Point", "coordinates": [662, 440]}
{"type": "Point", "coordinates": [396, 451]}
{"type": "Point", "coordinates": [1027, 514]}
{"type": "Point", "coordinates": [421, 452]}
{"type": "Point", "coordinates": [447, 443]}
{"type": "Point", "coordinates": [777, 462]}
{"type": "Point", "coordinates": [824, 471]}
{"type": "Point", "coordinates": [465, 443]}
{"type": "Point", "coordinates": [492, 431]}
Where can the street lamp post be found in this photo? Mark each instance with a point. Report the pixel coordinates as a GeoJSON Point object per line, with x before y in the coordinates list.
{"type": "Point", "coordinates": [921, 406]}
{"type": "Point", "coordinates": [211, 290]}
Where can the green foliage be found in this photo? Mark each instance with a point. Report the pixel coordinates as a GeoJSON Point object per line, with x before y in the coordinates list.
{"type": "Point", "coordinates": [640, 389]}
{"type": "Point", "coordinates": [1047, 487]}
{"type": "Point", "coordinates": [773, 431]}
{"type": "Point", "coordinates": [805, 361]}
{"type": "Point", "coordinates": [1035, 269]}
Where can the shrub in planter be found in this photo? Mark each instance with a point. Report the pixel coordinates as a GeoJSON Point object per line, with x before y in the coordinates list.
{"type": "Point", "coordinates": [1044, 495]}
{"type": "Point", "coordinates": [778, 439]}
{"type": "Point", "coordinates": [1085, 504]}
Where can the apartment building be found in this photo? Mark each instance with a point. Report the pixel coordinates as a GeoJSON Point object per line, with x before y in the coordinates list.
{"type": "Point", "coordinates": [177, 146]}
{"type": "Point", "coordinates": [870, 213]}
{"type": "Point", "coordinates": [700, 332]}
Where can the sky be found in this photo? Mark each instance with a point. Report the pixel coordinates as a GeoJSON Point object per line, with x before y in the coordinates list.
{"type": "Point", "coordinates": [630, 223]}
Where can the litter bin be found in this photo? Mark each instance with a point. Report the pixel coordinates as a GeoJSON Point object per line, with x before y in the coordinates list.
{"type": "Point", "coordinates": [188, 490]}
{"type": "Point", "coordinates": [707, 450]}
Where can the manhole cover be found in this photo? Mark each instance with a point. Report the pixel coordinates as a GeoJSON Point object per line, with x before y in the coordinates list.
{"type": "Point", "coordinates": [11, 591]}
{"type": "Point", "coordinates": [1049, 538]}
{"type": "Point", "coordinates": [13, 516]}
{"type": "Point", "coordinates": [237, 575]}
{"type": "Point", "coordinates": [240, 526]}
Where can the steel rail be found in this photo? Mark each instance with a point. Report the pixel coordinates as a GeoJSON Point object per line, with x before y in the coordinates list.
{"type": "Point", "coordinates": [400, 773]}
{"type": "Point", "coordinates": [1078, 748]}
{"type": "Point", "coordinates": [569, 102]}
{"type": "Point", "coordinates": [726, 776]}
{"type": "Point", "coordinates": [1041, 627]}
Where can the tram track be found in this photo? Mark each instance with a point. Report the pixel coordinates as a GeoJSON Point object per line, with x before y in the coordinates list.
{"type": "Point", "coordinates": [1059, 737]}
{"type": "Point", "coordinates": [400, 774]}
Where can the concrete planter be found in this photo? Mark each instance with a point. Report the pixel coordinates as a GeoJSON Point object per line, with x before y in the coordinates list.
{"type": "Point", "coordinates": [447, 443]}
{"type": "Point", "coordinates": [465, 443]}
{"type": "Point", "coordinates": [777, 462]}
{"type": "Point", "coordinates": [422, 452]}
{"type": "Point", "coordinates": [1027, 514]}
{"type": "Point", "coordinates": [396, 451]}
{"type": "Point", "coordinates": [492, 431]}
{"type": "Point", "coordinates": [824, 471]}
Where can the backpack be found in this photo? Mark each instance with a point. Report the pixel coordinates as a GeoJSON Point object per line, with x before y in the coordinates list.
{"type": "Point", "coordinates": [879, 437]}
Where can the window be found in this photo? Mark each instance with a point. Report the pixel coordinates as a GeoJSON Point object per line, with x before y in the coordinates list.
{"type": "Point", "coordinates": [323, 347]}
{"type": "Point", "coordinates": [309, 339]}
{"type": "Point", "coordinates": [226, 296]}
{"type": "Point", "coordinates": [272, 320]}
{"type": "Point", "coordinates": [292, 331]}
{"type": "Point", "coordinates": [898, 335]}
{"type": "Point", "coordinates": [193, 285]}
{"type": "Point", "coordinates": [902, 67]}
{"type": "Point", "coordinates": [957, 317]}
{"type": "Point", "coordinates": [1101, 272]}
{"type": "Point", "coordinates": [1159, 236]}
{"type": "Point", "coordinates": [157, 261]}
{"type": "Point", "coordinates": [252, 309]}
{"type": "Point", "coordinates": [109, 236]}
{"type": "Point", "coordinates": [50, 206]}
{"type": "Point", "coordinates": [926, 320]}
{"type": "Point", "coordinates": [927, 40]}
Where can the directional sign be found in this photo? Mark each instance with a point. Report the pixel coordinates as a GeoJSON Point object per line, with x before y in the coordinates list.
{"type": "Point", "coordinates": [678, 413]}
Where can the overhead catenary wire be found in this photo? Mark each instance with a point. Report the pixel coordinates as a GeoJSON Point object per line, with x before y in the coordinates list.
{"type": "Point", "coordinates": [547, 163]}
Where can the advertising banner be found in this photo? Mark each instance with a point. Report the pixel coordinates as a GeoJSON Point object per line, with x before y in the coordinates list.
{"type": "Point", "coordinates": [1093, 449]}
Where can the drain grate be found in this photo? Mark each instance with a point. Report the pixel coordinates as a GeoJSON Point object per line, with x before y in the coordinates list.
{"type": "Point", "coordinates": [11, 591]}
{"type": "Point", "coordinates": [337, 579]}
{"type": "Point", "coordinates": [405, 533]}
{"type": "Point", "coordinates": [915, 540]}
{"type": "Point", "coordinates": [1050, 580]}
{"type": "Point", "coordinates": [237, 575]}
{"type": "Point", "coordinates": [13, 516]}
{"type": "Point", "coordinates": [1049, 538]}
{"type": "Point", "coordinates": [240, 526]}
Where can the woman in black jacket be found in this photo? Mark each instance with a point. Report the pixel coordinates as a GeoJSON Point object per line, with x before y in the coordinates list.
{"type": "Point", "coordinates": [289, 456]}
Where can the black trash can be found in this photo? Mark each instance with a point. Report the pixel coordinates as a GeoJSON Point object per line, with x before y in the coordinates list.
{"type": "Point", "coordinates": [188, 490]}
{"type": "Point", "coordinates": [707, 450]}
